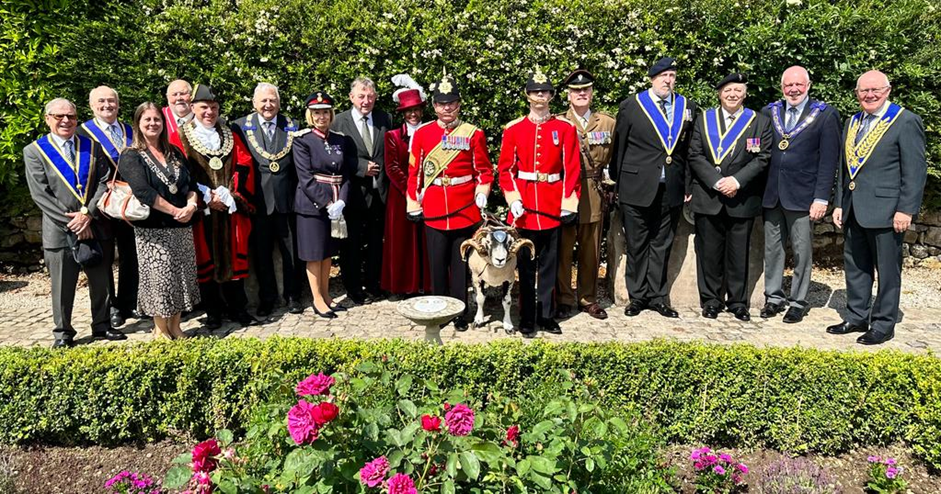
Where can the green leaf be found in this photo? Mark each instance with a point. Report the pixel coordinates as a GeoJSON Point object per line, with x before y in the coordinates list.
{"type": "Point", "coordinates": [451, 466]}
{"type": "Point", "coordinates": [225, 437]}
{"type": "Point", "coordinates": [177, 477]}
{"type": "Point", "coordinates": [447, 487]}
{"type": "Point", "coordinates": [523, 467]}
{"type": "Point", "coordinates": [403, 384]}
{"type": "Point", "coordinates": [543, 427]}
{"type": "Point", "coordinates": [183, 459]}
{"type": "Point", "coordinates": [470, 464]}
{"type": "Point", "coordinates": [408, 408]}
{"type": "Point", "coordinates": [589, 464]}
{"type": "Point", "coordinates": [541, 480]}
{"type": "Point", "coordinates": [543, 465]}
{"type": "Point", "coordinates": [367, 367]}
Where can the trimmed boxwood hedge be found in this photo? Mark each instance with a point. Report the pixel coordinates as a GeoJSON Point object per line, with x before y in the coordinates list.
{"type": "Point", "coordinates": [795, 400]}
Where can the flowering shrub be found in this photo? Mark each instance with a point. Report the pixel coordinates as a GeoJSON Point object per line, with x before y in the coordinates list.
{"type": "Point", "coordinates": [371, 434]}
{"type": "Point", "coordinates": [795, 476]}
{"type": "Point", "coordinates": [885, 476]}
{"type": "Point", "coordinates": [132, 483]}
{"type": "Point", "coordinates": [716, 472]}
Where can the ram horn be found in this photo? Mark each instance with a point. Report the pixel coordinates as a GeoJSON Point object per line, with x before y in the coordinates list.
{"type": "Point", "coordinates": [471, 243]}
{"type": "Point", "coordinates": [523, 242]}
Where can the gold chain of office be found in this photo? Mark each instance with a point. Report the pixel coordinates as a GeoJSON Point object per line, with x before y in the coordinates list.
{"type": "Point", "coordinates": [227, 143]}
{"type": "Point", "coordinates": [266, 155]}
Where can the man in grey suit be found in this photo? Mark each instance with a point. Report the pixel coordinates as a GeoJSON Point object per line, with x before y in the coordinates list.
{"type": "Point", "coordinates": [67, 174]}
{"type": "Point", "coordinates": [365, 213]}
{"type": "Point", "coordinates": [879, 190]}
{"type": "Point", "coordinates": [804, 157]}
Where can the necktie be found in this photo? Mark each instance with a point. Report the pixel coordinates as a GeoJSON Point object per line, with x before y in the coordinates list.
{"type": "Point", "coordinates": [791, 118]}
{"type": "Point", "coordinates": [269, 130]}
{"type": "Point", "coordinates": [180, 122]}
{"type": "Point", "coordinates": [116, 136]}
{"type": "Point", "coordinates": [367, 139]}
{"type": "Point", "coordinates": [864, 128]}
{"type": "Point", "coordinates": [69, 152]}
{"type": "Point", "coordinates": [666, 111]}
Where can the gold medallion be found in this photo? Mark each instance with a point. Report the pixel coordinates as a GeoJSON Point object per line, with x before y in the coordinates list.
{"type": "Point", "coordinates": [719, 169]}
{"type": "Point", "coordinates": [215, 163]}
{"type": "Point", "coordinates": [669, 159]}
{"type": "Point", "coordinates": [274, 166]}
{"type": "Point", "coordinates": [852, 185]}
{"type": "Point", "coordinates": [783, 144]}
{"type": "Point", "coordinates": [173, 189]}
{"type": "Point", "coordinates": [84, 210]}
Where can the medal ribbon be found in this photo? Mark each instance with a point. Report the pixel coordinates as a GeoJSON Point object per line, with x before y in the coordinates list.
{"type": "Point", "coordinates": [63, 167]}
{"type": "Point", "coordinates": [858, 154]}
{"type": "Point", "coordinates": [777, 110]}
{"type": "Point", "coordinates": [725, 142]}
{"type": "Point", "coordinates": [669, 134]}
{"type": "Point", "coordinates": [105, 140]}
{"type": "Point", "coordinates": [442, 157]}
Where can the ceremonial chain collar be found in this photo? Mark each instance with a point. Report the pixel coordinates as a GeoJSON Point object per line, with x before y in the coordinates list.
{"type": "Point", "coordinates": [266, 155]}
{"type": "Point", "coordinates": [224, 132]}
{"type": "Point", "coordinates": [451, 126]}
{"type": "Point", "coordinates": [173, 165]}
{"type": "Point", "coordinates": [539, 121]}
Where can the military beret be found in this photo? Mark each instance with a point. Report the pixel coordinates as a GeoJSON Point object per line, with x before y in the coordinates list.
{"type": "Point", "coordinates": [578, 79]}
{"type": "Point", "coordinates": [735, 77]}
{"type": "Point", "coordinates": [319, 100]}
{"type": "Point", "coordinates": [445, 90]}
{"type": "Point", "coordinates": [662, 65]}
{"type": "Point", "coordinates": [538, 82]}
{"type": "Point", "coordinates": [202, 92]}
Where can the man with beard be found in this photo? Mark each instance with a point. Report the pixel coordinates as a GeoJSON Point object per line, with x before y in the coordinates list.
{"type": "Point", "coordinates": [178, 111]}
{"type": "Point", "coordinates": [541, 181]}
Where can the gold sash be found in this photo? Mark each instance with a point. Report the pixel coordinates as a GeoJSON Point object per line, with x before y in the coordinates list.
{"type": "Point", "coordinates": [439, 158]}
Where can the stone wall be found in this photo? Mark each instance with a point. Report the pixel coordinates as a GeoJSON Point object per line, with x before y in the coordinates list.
{"type": "Point", "coordinates": [21, 244]}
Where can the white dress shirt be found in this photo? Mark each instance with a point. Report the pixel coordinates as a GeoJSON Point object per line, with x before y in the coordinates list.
{"type": "Point", "coordinates": [208, 136]}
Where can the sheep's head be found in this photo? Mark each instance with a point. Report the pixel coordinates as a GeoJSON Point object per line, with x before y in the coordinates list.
{"type": "Point", "coordinates": [480, 242]}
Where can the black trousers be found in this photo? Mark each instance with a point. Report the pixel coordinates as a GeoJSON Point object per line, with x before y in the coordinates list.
{"type": "Point", "coordinates": [219, 298]}
{"type": "Point", "coordinates": [649, 231]}
{"type": "Point", "coordinates": [361, 253]}
{"type": "Point", "coordinates": [722, 244]}
{"type": "Point", "coordinates": [268, 231]}
{"type": "Point", "coordinates": [536, 291]}
{"type": "Point", "coordinates": [124, 299]}
{"type": "Point", "coordinates": [865, 251]}
{"type": "Point", "coordinates": [448, 271]}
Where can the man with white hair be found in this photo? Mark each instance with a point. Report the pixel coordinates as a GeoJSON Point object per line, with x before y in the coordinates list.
{"type": "Point", "coordinates": [878, 192]}
{"type": "Point", "coordinates": [804, 157]}
{"type": "Point", "coordinates": [268, 135]}
{"type": "Point", "coordinates": [178, 110]}
{"type": "Point", "coordinates": [67, 174]}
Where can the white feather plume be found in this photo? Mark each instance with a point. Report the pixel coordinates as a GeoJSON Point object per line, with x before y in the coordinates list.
{"type": "Point", "coordinates": [405, 82]}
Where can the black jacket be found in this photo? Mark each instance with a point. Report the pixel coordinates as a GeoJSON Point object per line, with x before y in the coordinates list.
{"type": "Point", "coordinates": [274, 191]}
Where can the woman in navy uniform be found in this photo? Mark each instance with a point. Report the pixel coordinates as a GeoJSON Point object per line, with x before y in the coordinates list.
{"type": "Point", "coordinates": [325, 161]}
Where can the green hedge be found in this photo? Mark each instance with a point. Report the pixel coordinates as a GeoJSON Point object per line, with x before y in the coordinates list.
{"type": "Point", "coordinates": [794, 400]}
{"type": "Point", "coordinates": [61, 47]}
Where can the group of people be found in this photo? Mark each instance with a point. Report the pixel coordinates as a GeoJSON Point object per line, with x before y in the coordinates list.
{"type": "Point", "coordinates": [396, 201]}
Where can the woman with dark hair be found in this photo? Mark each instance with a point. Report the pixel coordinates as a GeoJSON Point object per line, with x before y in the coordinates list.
{"type": "Point", "coordinates": [157, 174]}
{"type": "Point", "coordinates": [325, 161]}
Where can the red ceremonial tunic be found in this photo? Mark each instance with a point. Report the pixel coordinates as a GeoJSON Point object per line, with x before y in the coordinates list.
{"type": "Point", "coordinates": [226, 258]}
{"type": "Point", "coordinates": [546, 149]}
{"type": "Point", "coordinates": [448, 207]}
{"type": "Point", "coordinates": [173, 133]}
{"type": "Point", "coordinates": [404, 258]}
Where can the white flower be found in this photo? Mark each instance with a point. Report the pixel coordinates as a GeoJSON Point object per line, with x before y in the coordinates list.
{"type": "Point", "coordinates": [795, 3]}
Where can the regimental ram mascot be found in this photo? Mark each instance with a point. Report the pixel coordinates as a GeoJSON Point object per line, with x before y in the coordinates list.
{"type": "Point", "coordinates": [492, 262]}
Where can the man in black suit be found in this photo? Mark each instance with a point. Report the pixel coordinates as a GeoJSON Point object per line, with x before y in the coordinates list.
{"type": "Point", "coordinates": [67, 175]}
{"type": "Point", "coordinates": [804, 158]}
{"type": "Point", "coordinates": [651, 141]}
{"type": "Point", "coordinates": [268, 135]}
{"type": "Point", "coordinates": [365, 213]}
{"type": "Point", "coordinates": [879, 190]}
{"type": "Point", "coordinates": [728, 156]}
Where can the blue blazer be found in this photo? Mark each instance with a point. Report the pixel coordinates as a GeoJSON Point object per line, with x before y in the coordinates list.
{"type": "Point", "coordinates": [806, 169]}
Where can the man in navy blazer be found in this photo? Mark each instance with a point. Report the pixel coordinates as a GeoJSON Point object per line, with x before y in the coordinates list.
{"type": "Point", "coordinates": [804, 158]}
{"type": "Point", "coordinates": [878, 191]}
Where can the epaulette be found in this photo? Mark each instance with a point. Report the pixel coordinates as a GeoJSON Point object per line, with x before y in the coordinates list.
{"type": "Point", "coordinates": [299, 133]}
{"type": "Point", "coordinates": [566, 121]}
{"type": "Point", "coordinates": [337, 133]}
{"type": "Point", "coordinates": [514, 122]}
{"type": "Point", "coordinates": [291, 126]}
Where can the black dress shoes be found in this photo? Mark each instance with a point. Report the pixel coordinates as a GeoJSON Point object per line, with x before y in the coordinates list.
{"type": "Point", "coordinates": [213, 321]}
{"type": "Point", "coordinates": [872, 337]}
{"type": "Point", "coordinates": [741, 313]}
{"type": "Point", "coordinates": [63, 343]}
{"type": "Point", "coordinates": [329, 314]}
{"type": "Point", "coordinates": [550, 326]}
{"type": "Point", "coordinates": [634, 308]}
{"type": "Point", "coordinates": [710, 312]}
{"type": "Point", "coordinates": [109, 334]}
{"type": "Point", "coordinates": [117, 319]}
{"type": "Point", "coordinates": [846, 328]}
{"type": "Point", "coordinates": [770, 310]}
{"type": "Point", "coordinates": [528, 329]}
{"type": "Point", "coordinates": [136, 314]}
{"type": "Point", "coordinates": [294, 306]}
{"type": "Point", "coordinates": [358, 298]}
{"type": "Point", "coordinates": [264, 309]}
{"type": "Point", "coordinates": [460, 324]}
{"type": "Point", "coordinates": [563, 311]}
{"type": "Point", "coordinates": [243, 318]}
{"type": "Point", "coordinates": [665, 310]}
{"type": "Point", "coordinates": [794, 315]}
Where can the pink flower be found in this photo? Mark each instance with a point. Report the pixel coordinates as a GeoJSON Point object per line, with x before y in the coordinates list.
{"type": "Point", "coordinates": [401, 484]}
{"type": "Point", "coordinates": [431, 423]}
{"type": "Point", "coordinates": [373, 473]}
{"type": "Point", "coordinates": [202, 478]}
{"type": "Point", "coordinates": [890, 461]}
{"type": "Point", "coordinates": [719, 470]}
{"type": "Point", "coordinates": [891, 472]}
{"type": "Point", "coordinates": [512, 436]}
{"type": "Point", "coordinates": [301, 423]}
{"type": "Point", "coordinates": [204, 455]}
{"type": "Point", "coordinates": [460, 420]}
{"type": "Point", "coordinates": [324, 413]}
{"type": "Point", "coordinates": [741, 468]}
{"type": "Point", "coordinates": [314, 385]}
{"type": "Point", "coordinates": [874, 459]}
{"type": "Point", "coordinates": [725, 457]}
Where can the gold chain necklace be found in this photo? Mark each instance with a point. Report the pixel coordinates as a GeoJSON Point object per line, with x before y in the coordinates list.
{"type": "Point", "coordinates": [273, 164]}
{"type": "Point", "coordinates": [215, 162]}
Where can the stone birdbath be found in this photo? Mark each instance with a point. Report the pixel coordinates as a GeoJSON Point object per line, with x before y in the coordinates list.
{"type": "Point", "coordinates": [431, 311]}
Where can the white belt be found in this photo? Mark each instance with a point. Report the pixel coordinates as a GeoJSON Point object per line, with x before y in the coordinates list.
{"type": "Point", "coordinates": [447, 181]}
{"type": "Point", "coordinates": [539, 177]}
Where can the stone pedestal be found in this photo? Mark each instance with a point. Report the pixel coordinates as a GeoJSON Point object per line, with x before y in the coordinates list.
{"type": "Point", "coordinates": [681, 276]}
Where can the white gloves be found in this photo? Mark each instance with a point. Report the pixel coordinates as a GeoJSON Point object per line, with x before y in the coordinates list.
{"type": "Point", "coordinates": [481, 201]}
{"type": "Point", "coordinates": [226, 197]}
{"type": "Point", "coordinates": [335, 210]}
{"type": "Point", "coordinates": [517, 208]}
{"type": "Point", "coordinates": [566, 213]}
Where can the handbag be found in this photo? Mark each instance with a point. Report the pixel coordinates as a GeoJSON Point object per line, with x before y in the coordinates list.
{"type": "Point", "coordinates": [119, 202]}
{"type": "Point", "coordinates": [87, 253]}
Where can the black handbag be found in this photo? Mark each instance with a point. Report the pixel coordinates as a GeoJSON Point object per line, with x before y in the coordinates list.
{"type": "Point", "coordinates": [87, 253]}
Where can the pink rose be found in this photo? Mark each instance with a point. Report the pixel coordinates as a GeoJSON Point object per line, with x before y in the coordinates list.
{"type": "Point", "coordinates": [401, 484]}
{"type": "Point", "coordinates": [512, 436]}
{"type": "Point", "coordinates": [324, 413]}
{"type": "Point", "coordinates": [314, 385]}
{"type": "Point", "coordinates": [373, 473]}
{"type": "Point", "coordinates": [301, 423]}
{"type": "Point", "coordinates": [431, 423]}
{"type": "Point", "coordinates": [460, 420]}
{"type": "Point", "coordinates": [204, 455]}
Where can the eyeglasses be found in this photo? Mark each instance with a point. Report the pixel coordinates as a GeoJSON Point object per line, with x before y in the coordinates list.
{"type": "Point", "coordinates": [875, 91]}
{"type": "Point", "coordinates": [179, 93]}
{"type": "Point", "coordinates": [61, 116]}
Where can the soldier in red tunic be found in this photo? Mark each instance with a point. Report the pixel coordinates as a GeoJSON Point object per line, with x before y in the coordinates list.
{"type": "Point", "coordinates": [404, 258]}
{"type": "Point", "coordinates": [449, 177]}
{"type": "Point", "coordinates": [541, 180]}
